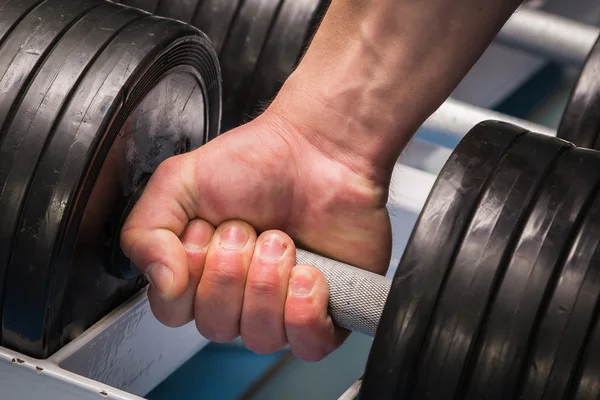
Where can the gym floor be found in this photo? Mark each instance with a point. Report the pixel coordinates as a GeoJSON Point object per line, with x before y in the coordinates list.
{"type": "Point", "coordinates": [231, 372]}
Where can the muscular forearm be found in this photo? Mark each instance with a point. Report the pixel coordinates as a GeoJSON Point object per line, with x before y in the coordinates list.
{"type": "Point", "coordinates": [377, 69]}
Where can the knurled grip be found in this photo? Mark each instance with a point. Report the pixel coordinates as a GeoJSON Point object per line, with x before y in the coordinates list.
{"type": "Point", "coordinates": [356, 296]}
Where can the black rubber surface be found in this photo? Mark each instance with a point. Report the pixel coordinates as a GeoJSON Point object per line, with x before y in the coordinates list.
{"type": "Point", "coordinates": [23, 75]}
{"type": "Point", "coordinates": [422, 270]}
{"type": "Point", "coordinates": [531, 275]}
{"type": "Point", "coordinates": [48, 94]}
{"type": "Point", "coordinates": [586, 384]}
{"type": "Point", "coordinates": [561, 336]}
{"type": "Point", "coordinates": [146, 5]}
{"type": "Point", "coordinates": [580, 123]}
{"type": "Point", "coordinates": [214, 17]}
{"type": "Point", "coordinates": [12, 12]}
{"type": "Point", "coordinates": [281, 51]}
{"type": "Point", "coordinates": [480, 261]}
{"type": "Point", "coordinates": [240, 54]}
{"type": "Point", "coordinates": [59, 260]}
{"type": "Point", "coordinates": [182, 10]}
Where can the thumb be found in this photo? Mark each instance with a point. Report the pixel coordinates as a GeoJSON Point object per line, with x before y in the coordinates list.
{"type": "Point", "coordinates": [150, 237]}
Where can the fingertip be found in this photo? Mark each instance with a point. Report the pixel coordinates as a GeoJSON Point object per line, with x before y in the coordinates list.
{"type": "Point", "coordinates": [305, 282]}
{"type": "Point", "coordinates": [197, 236]}
{"type": "Point", "coordinates": [310, 330]}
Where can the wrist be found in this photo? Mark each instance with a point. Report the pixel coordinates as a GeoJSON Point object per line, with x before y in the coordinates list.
{"type": "Point", "coordinates": [376, 69]}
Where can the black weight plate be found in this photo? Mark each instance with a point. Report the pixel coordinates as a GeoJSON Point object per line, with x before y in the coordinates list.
{"type": "Point", "coordinates": [480, 261]}
{"type": "Point", "coordinates": [580, 123]}
{"type": "Point", "coordinates": [531, 273]}
{"type": "Point", "coordinates": [46, 96]}
{"type": "Point", "coordinates": [240, 54]}
{"type": "Point", "coordinates": [12, 12]}
{"type": "Point", "coordinates": [154, 91]}
{"type": "Point", "coordinates": [182, 10]}
{"type": "Point", "coordinates": [586, 384]}
{"type": "Point", "coordinates": [560, 338]}
{"type": "Point", "coordinates": [281, 51]}
{"type": "Point", "coordinates": [423, 267]}
{"type": "Point", "coordinates": [145, 5]}
{"type": "Point", "coordinates": [21, 59]}
{"type": "Point", "coordinates": [25, 49]}
{"type": "Point", "coordinates": [214, 17]}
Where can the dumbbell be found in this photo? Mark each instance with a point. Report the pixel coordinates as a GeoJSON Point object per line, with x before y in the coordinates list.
{"type": "Point", "coordinates": [96, 94]}
{"type": "Point", "coordinates": [497, 293]}
{"type": "Point", "coordinates": [259, 43]}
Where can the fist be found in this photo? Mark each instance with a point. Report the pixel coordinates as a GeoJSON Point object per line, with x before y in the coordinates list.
{"type": "Point", "coordinates": [208, 232]}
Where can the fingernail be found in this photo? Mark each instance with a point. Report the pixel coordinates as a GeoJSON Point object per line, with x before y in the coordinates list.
{"type": "Point", "coordinates": [161, 278]}
{"type": "Point", "coordinates": [272, 247]}
{"type": "Point", "coordinates": [302, 282]}
{"type": "Point", "coordinates": [234, 237]}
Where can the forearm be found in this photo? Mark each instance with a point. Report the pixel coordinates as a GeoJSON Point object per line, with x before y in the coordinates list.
{"type": "Point", "coordinates": [377, 69]}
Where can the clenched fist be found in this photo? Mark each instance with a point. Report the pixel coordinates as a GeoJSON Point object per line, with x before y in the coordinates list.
{"type": "Point", "coordinates": [215, 233]}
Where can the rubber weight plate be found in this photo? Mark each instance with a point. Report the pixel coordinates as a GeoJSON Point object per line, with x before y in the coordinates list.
{"type": "Point", "coordinates": [430, 249]}
{"type": "Point", "coordinates": [150, 91]}
{"type": "Point", "coordinates": [13, 11]}
{"type": "Point", "coordinates": [22, 58]}
{"type": "Point", "coordinates": [580, 123]}
{"type": "Point", "coordinates": [240, 54]}
{"type": "Point", "coordinates": [146, 5]}
{"type": "Point", "coordinates": [560, 339]}
{"type": "Point", "coordinates": [480, 261]}
{"type": "Point", "coordinates": [281, 51]}
{"type": "Point", "coordinates": [34, 120]}
{"type": "Point", "coordinates": [532, 273]}
{"type": "Point", "coordinates": [182, 10]}
{"type": "Point", "coordinates": [586, 384]}
{"type": "Point", "coordinates": [214, 17]}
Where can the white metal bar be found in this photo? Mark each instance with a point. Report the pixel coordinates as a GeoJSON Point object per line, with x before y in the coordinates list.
{"type": "Point", "coordinates": [129, 349]}
{"type": "Point", "coordinates": [23, 378]}
{"type": "Point", "coordinates": [549, 36]}
{"type": "Point", "coordinates": [352, 392]}
{"type": "Point", "coordinates": [456, 118]}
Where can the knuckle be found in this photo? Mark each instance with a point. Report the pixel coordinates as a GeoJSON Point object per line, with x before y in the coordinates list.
{"type": "Point", "coordinates": [225, 274]}
{"type": "Point", "coordinates": [264, 284]}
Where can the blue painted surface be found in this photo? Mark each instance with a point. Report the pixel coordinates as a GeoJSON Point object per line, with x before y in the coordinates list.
{"type": "Point", "coordinates": [216, 372]}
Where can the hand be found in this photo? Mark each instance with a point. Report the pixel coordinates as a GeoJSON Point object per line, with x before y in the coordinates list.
{"type": "Point", "coordinates": [209, 234]}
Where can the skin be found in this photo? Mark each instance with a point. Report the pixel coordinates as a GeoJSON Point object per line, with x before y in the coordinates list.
{"type": "Point", "coordinates": [216, 229]}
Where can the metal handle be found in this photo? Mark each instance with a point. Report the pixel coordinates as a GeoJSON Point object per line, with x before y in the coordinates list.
{"type": "Point", "coordinates": [356, 296]}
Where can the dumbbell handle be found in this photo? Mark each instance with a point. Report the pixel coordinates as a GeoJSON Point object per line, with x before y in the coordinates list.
{"type": "Point", "coordinates": [356, 296]}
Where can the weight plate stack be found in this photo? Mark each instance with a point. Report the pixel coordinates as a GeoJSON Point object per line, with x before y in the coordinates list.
{"type": "Point", "coordinates": [568, 319]}
{"type": "Point", "coordinates": [146, 5]}
{"type": "Point", "coordinates": [503, 347]}
{"type": "Point", "coordinates": [181, 10]}
{"type": "Point", "coordinates": [214, 18]}
{"type": "Point", "coordinates": [287, 40]}
{"type": "Point", "coordinates": [580, 123]}
{"type": "Point", "coordinates": [104, 94]}
{"type": "Point", "coordinates": [239, 56]}
{"type": "Point", "coordinates": [259, 43]}
{"type": "Point", "coordinates": [479, 263]}
{"type": "Point", "coordinates": [422, 270]}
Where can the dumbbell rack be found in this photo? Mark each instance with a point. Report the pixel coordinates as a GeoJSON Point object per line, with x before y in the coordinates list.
{"type": "Point", "coordinates": [130, 350]}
